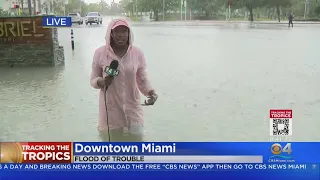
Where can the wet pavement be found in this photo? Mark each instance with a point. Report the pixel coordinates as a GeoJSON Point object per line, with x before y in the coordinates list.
{"type": "Point", "coordinates": [215, 83]}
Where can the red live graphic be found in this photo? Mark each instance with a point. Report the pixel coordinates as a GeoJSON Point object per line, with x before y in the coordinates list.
{"type": "Point", "coordinates": [281, 113]}
{"type": "Point", "coordinates": [36, 152]}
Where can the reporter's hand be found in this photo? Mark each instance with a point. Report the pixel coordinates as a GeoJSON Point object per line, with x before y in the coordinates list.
{"type": "Point", "coordinates": [105, 81]}
{"type": "Point", "coordinates": [152, 98]}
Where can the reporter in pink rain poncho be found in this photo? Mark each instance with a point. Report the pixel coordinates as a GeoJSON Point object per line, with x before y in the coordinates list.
{"type": "Point", "coordinates": [124, 111]}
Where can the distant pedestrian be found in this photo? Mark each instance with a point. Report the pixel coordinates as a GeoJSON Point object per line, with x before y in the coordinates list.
{"type": "Point", "coordinates": [290, 20]}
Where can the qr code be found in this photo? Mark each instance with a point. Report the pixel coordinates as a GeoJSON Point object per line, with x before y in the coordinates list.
{"type": "Point", "coordinates": [281, 127]}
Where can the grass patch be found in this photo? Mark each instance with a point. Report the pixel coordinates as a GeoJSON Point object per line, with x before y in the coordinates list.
{"type": "Point", "coordinates": [134, 18]}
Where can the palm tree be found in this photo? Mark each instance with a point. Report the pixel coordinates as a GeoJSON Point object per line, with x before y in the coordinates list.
{"type": "Point", "coordinates": [21, 4]}
{"type": "Point", "coordinates": [29, 7]}
{"type": "Point", "coordinates": [39, 6]}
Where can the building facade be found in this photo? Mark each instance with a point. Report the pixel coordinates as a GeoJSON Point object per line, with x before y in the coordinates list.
{"type": "Point", "coordinates": [37, 6]}
{"type": "Point", "coordinates": [4, 5]}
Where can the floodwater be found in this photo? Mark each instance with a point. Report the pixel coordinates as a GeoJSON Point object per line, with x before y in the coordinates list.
{"type": "Point", "coordinates": [215, 83]}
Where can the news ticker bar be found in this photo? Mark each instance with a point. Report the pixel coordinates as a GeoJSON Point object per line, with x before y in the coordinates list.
{"type": "Point", "coordinates": [167, 159]}
{"type": "Point", "coordinates": [161, 167]}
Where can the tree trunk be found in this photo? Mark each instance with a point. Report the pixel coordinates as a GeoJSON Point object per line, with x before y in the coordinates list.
{"type": "Point", "coordinates": [34, 7]}
{"type": "Point", "coordinates": [29, 7]}
{"type": "Point", "coordinates": [278, 12]}
{"type": "Point", "coordinates": [39, 5]}
{"type": "Point", "coordinates": [250, 8]}
{"type": "Point", "coordinates": [156, 16]}
{"type": "Point", "coordinates": [21, 4]}
{"type": "Point", "coordinates": [251, 14]}
{"type": "Point", "coordinates": [207, 13]}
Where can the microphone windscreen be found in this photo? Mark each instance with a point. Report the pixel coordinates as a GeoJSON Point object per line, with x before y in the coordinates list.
{"type": "Point", "coordinates": [114, 64]}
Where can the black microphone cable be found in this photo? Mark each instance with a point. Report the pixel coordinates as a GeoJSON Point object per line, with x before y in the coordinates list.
{"type": "Point", "coordinates": [111, 71]}
{"type": "Point", "coordinates": [106, 107]}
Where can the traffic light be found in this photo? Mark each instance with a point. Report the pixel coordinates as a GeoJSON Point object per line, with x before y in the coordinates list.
{"type": "Point", "coordinates": [16, 6]}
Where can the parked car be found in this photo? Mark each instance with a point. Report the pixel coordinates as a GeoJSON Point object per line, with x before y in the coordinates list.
{"type": "Point", "coordinates": [93, 17]}
{"type": "Point", "coordinates": [76, 18]}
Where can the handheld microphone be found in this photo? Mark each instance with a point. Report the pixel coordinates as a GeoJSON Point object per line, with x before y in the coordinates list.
{"type": "Point", "coordinates": [112, 69]}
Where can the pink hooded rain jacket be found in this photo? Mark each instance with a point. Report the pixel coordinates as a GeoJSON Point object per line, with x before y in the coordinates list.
{"type": "Point", "coordinates": [123, 95]}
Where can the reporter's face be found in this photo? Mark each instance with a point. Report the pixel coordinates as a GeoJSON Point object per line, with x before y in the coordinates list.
{"type": "Point", "coordinates": [120, 35]}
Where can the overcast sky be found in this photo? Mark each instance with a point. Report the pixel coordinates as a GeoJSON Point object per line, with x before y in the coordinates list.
{"type": "Point", "coordinates": [94, 1]}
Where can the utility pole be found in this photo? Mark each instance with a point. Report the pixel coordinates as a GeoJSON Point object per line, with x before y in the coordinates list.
{"type": "Point", "coordinates": [306, 8]}
{"type": "Point", "coordinates": [229, 9]}
{"type": "Point", "coordinates": [80, 9]}
{"type": "Point", "coordinates": [229, 12]}
{"type": "Point", "coordinates": [64, 8]}
{"type": "Point", "coordinates": [181, 9]}
{"type": "Point", "coordinates": [101, 2]}
{"type": "Point", "coordinates": [163, 4]}
{"type": "Point", "coordinates": [134, 9]}
{"type": "Point", "coordinates": [52, 8]}
{"type": "Point", "coordinates": [185, 10]}
{"type": "Point", "coordinates": [34, 7]}
{"type": "Point", "coordinates": [21, 1]}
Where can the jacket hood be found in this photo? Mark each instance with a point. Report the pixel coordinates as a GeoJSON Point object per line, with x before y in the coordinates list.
{"type": "Point", "coordinates": [118, 21]}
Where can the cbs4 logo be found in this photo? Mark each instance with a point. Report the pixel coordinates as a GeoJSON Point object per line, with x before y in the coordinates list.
{"type": "Point", "coordinates": [277, 149]}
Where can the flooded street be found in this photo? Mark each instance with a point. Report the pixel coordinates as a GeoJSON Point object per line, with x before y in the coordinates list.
{"type": "Point", "coordinates": [215, 83]}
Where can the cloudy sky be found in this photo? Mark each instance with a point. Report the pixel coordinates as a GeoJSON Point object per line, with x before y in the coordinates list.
{"type": "Point", "coordinates": [94, 1]}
